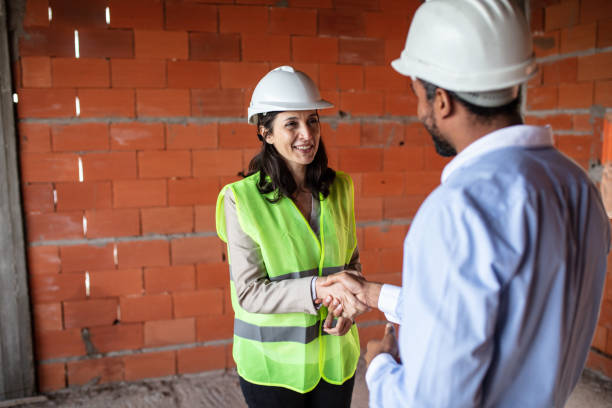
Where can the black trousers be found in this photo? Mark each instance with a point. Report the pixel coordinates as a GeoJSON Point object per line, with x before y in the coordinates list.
{"type": "Point", "coordinates": [324, 395]}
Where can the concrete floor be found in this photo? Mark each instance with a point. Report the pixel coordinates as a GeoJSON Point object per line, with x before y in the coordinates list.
{"type": "Point", "coordinates": [221, 389]}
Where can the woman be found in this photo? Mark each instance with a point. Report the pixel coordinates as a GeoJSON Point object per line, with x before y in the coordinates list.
{"type": "Point", "coordinates": [287, 225]}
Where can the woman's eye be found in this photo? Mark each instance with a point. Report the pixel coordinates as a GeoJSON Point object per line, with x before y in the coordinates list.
{"type": "Point", "coordinates": [313, 121]}
{"type": "Point", "coordinates": [291, 124]}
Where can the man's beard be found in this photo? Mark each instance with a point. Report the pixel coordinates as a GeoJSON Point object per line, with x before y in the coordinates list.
{"type": "Point", "coordinates": [443, 148]}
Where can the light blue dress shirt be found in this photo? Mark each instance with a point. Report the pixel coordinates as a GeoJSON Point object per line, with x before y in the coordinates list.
{"type": "Point", "coordinates": [503, 272]}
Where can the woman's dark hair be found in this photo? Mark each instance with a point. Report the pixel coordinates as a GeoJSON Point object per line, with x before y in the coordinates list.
{"type": "Point", "coordinates": [274, 173]}
{"type": "Point", "coordinates": [484, 115]}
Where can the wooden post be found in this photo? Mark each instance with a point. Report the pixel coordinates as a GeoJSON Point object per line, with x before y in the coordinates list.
{"type": "Point", "coordinates": [16, 354]}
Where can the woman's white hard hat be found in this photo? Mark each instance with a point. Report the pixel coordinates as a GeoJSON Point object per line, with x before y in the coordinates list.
{"type": "Point", "coordinates": [480, 49]}
{"type": "Point", "coordinates": [284, 89]}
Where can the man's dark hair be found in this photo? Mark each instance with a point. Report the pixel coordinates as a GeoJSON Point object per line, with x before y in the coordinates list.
{"type": "Point", "coordinates": [274, 174]}
{"type": "Point", "coordinates": [482, 114]}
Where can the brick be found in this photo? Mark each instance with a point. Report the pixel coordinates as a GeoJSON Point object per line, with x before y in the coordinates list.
{"type": "Point", "coordinates": [90, 313]}
{"type": "Point", "coordinates": [361, 51]}
{"type": "Point", "coordinates": [47, 42]}
{"type": "Point", "coordinates": [35, 72]}
{"type": "Point", "coordinates": [344, 77]}
{"type": "Point", "coordinates": [47, 316]}
{"type": "Point", "coordinates": [377, 24]}
{"type": "Point", "coordinates": [149, 365]}
{"type": "Point", "coordinates": [591, 10]}
{"type": "Point", "coordinates": [577, 95]}
{"type": "Point", "coordinates": [198, 303]}
{"type": "Point", "coordinates": [34, 137]}
{"type": "Point", "coordinates": [196, 250]}
{"type": "Point", "coordinates": [368, 209]}
{"type": "Point", "coordinates": [391, 260]}
{"type": "Point", "coordinates": [379, 78]}
{"type": "Point", "coordinates": [242, 19]}
{"type": "Point", "coordinates": [214, 47]}
{"type": "Point", "coordinates": [43, 259]}
{"type": "Point", "coordinates": [292, 21]}
{"type": "Point", "coordinates": [41, 167]}
{"type": "Point", "coordinates": [164, 332]}
{"type": "Point", "coordinates": [242, 74]}
{"type": "Point", "coordinates": [433, 161]}
{"type": "Point", "coordinates": [46, 103]}
{"type": "Point", "coordinates": [542, 98]}
{"type": "Point", "coordinates": [205, 218]}
{"type": "Point", "coordinates": [96, 371]}
{"type": "Point", "coordinates": [81, 258]}
{"type": "Point", "coordinates": [383, 184]}
{"type": "Point", "coordinates": [217, 102]}
{"type": "Point", "coordinates": [162, 102]}
{"type": "Point", "coordinates": [169, 279]}
{"type": "Point", "coordinates": [77, 15]}
{"type": "Point", "coordinates": [603, 93]}
{"type": "Point", "coordinates": [112, 283]}
{"type": "Point", "coordinates": [139, 193]}
{"type": "Point", "coordinates": [54, 226]}
{"type": "Point", "coordinates": [106, 43]}
{"type": "Point", "coordinates": [311, 3]}
{"type": "Point", "coordinates": [61, 343]}
{"type": "Point", "coordinates": [193, 74]}
{"type": "Point", "coordinates": [81, 196]}
{"type": "Point", "coordinates": [357, 4]}
{"type": "Point", "coordinates": [144, 308]}
{"type": "Point", "coordinates": [217, 162]}
{"type": "Point", "coordinates": [561, 15]}
{"type": "Point", "coordinates": [537, 19]}
{"type": "Point", "coordinates": [382, 134]}
{"type": "Point", "coordinates": [600, 338]}
{"type": "Point", "coordinates": [315, 49]}
{"type": "Point", "coordinates": [137, 254]}
{"type": "Point", "coordinates": [389, 236]}
{"type": "Point", "coordinates": [400, 103]}
{"type": "Point", "coordinates": [214, 327]}
{"type": "Point", "coordinates": [57, 287]}
{"type": "Point", "coordinates": [117, 337]}
{"type": "Point", "coordinates": [581, 123]}
{"type": "Point", "coordinates": [138, 73]}
{"type": "Point", "coordinates": [38, 198]}
{"type": "Point", "coordinates": [161, 44]}
{"type": "Point", "coordinates": [212, 275]}
{"type": "Point", "coordinates": [112, 223]}
{"type": "Point", "coordinates": [604, 33]}
{"type": "Point", "coordinates": [191, 17]}
{"type": "Point", "coordinates": [406, 158]}
{"type": "Point", "coordinates": [546, 44]}
{"type": "Point", "coordinates": [137, 136]}
{"type": "Point", "coordinates": [192, 136]}
{"type": "Point", "coordinates": [578, 38]}
{"type": "Point", "coordinates": [557, 122]}
{"type": "Point", "coordinates": [341, 135]}
{"type": "Point", "coordinates": [146, 14]}
{"type": "Point", "coordinates": [336, 23]}
{"type": "Point", "coordinates": [80, 137]}
{"type": "Point", "coordinates": [361, 103]}
{"type": "Point", "coordinates": [51, 377]}
{"type": "Point", "coordinates": [565, 70]}
{"type": "Point", "coordinates": [597, 66]}
{"type": "Point", "coordinates": [107, 102]}
{"type": "Point", "coordinates": [198, 359]}
{"type": "Point", "coordinates": [238, 136]}
{"type": "Point", "coordinates": [599, 362]}
{"type": "Point", "coordinates": [36, 13]}
{"type": "Point", "coordinates": [193, 191]}
{"type": "Point", "coordinates": [359, 160]}
{"type": "Point", "coordinates": [109, 166]}
{"type": "Point", "coordinates": [577, 147]}
{"type": "Point", "coordinates": [401, 207]}
{"type": "Point", "coordinates": [265, 47]}
{"type": "Point", "coordinates": [155, 164]}
{"type": "Point", "coordinates": [167, 220]}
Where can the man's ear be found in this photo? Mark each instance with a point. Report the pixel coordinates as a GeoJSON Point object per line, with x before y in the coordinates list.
{"type": "Point", "coordinates": [443, 103]}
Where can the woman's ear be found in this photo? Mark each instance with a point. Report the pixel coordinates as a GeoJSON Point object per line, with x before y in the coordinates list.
{"type": "Point", "coordinates": [267, 136]}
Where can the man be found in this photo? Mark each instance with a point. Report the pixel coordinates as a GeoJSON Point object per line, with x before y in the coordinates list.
{"type": "Point", "coordinates": [504, 263]}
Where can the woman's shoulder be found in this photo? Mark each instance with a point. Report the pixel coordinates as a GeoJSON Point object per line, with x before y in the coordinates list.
{"type": "Point", "coordinates": [342, 178]}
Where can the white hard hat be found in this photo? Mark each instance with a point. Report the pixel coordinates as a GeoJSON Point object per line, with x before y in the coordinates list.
{"type": "Point", "coordinates": [284, 89]}
{"type": "Point", "coordinates": [480, 49]}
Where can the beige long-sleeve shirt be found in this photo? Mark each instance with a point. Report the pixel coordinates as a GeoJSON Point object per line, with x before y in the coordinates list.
{"type": "Point", "coordinates": [255, 292]}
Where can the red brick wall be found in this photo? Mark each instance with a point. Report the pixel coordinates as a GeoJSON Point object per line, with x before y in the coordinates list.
{"type": "Point", "coordinates": [163, 92]}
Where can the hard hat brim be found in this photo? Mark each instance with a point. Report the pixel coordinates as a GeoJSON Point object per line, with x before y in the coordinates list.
{"type": "Point", "coordinates": [285, 106]}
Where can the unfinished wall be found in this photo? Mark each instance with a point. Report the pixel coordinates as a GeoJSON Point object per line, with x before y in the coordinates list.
{"type": "Point", "coordinates": [125, 148]}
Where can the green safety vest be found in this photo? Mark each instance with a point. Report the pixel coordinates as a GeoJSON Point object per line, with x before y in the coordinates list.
{"type": "Point", "coordinates": [290, 349]}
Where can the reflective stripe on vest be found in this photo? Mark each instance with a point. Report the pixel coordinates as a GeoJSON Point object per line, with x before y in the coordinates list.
{"type": "Point", "coordinates": [303, 274]}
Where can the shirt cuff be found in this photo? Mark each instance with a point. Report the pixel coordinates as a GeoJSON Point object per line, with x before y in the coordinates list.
{"type": "Point", "coordinates": [313, 292]}
{"type": "Point", "coordinates": [376, 365]}
{"type": "Point", "coordinates": [387, 301]}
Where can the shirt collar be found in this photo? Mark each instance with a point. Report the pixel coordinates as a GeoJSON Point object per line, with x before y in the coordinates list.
{"type": "Point", "coordinates": [511, 136]}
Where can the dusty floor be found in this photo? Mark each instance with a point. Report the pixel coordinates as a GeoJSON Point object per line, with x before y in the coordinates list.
{"type": "Point", "coordinates": [221, 389]}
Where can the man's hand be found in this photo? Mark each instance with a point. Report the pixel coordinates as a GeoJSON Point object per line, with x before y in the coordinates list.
{"type": "Point", "coordinates": [388, 344]}
{"type": "Point", "coordinates": [338, 299]}
{"type": "Point", "coordinates": [366, 292]}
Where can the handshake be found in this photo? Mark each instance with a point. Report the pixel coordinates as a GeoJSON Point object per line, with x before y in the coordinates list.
{"type": "Point", "coordinates": [346, 295]}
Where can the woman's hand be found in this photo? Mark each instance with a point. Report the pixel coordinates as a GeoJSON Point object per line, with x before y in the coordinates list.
{"type": "Point", "coordinates": [339, 299]}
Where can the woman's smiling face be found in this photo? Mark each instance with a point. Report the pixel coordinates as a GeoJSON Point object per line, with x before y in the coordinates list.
{"type": "Point", "coordinates": [295, 135]}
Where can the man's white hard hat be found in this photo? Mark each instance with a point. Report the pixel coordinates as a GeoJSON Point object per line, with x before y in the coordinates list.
{"type": "Point", "coordinates": [284, 89]}
{"type": "Point", "coordinates": [480, 49]}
